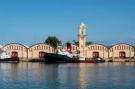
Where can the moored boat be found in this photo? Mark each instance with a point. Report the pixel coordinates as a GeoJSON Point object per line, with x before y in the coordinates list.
{"type": "Point", "coordinates": [91, 60]}
{"type": "Point", "coordinates": [66, 56]}
{"type": "Point", "coordinates": [4, 57]}
{"type": "Point", "coordinates": [56, 58]}
{"type": "Point", "coordinates": [12, 59]}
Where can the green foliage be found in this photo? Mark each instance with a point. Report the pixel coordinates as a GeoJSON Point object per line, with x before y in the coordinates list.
{"type": "Point", "coordinates": [77, 42]}
{"type": "Point", "coordinates": [53, 41]}
{"type": "Point", "coordinates": [88, 42]}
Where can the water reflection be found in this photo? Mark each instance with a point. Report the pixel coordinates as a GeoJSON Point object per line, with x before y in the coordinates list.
{"type": "Point", "coordinates": [82, 76]}
{"type": "Point", "coordinates": [67, 76]}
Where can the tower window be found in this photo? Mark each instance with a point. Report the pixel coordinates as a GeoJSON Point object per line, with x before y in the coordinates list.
{"type": "Point", "coordinates": [81, 32]}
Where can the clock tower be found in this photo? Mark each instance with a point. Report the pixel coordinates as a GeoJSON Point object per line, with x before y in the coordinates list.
{"type": "Point", "coordinates": [82, 39]}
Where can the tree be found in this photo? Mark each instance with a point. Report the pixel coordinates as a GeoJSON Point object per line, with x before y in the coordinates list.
{"type": "Point", "coordinates": [76, 42]}
{"type": "Point", "coordinates": [88, 42]}
{"type": "Point", "coordinates": [53, 41]}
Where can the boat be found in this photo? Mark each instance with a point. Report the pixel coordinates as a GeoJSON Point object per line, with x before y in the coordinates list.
{"type": "Point", "coordinates": [63, 56]}
{"type": "Point", "coordinates": [56, 58]}
{"type": "Point", "coordinates": [12, 59]}
{"type": "Point", "coordinates": [4, 57]}
{"type": "Point", "coordinates": [84, 60]}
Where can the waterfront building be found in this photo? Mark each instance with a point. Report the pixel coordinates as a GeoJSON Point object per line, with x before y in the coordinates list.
{"type": "Point", "coordinates": [16, 49]}
{"type": "Point", "coordinates": [96, 50]}
{"type": "Point", "coordinates": [37, 51]}
{"type": "Point", "coordinates": [121, 51]}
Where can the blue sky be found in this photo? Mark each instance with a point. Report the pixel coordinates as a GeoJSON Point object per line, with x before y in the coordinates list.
{"type": "Point", "coordinates": [31, 21]}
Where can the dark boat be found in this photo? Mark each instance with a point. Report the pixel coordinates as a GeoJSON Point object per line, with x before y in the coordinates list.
{"type": "Point", "coordinates": [56, 58]}
{"type": "Point", "coordinates": [65, 56]}
{"type": "Point", "coordinates": [4, 57]}
{"type": "Point", "coordinates": [12, 59]}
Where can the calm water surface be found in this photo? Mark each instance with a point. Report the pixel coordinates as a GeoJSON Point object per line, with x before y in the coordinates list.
{"type": "Point", "coordinates": [67, 76]}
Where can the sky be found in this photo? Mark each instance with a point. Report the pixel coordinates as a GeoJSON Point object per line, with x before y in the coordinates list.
{"type": "Point", "coordinates": [32, 21]}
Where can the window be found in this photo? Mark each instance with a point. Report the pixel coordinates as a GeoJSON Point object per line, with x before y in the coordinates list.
{"type": "Point", "coordinates": [35, 48]}
{"type": "Point", "coordinates": [82, 32]}
{"type": "Point", "coordinates": [39, 47]}
{"type": "Point", "coordinates": [102, 48]}
{"type": "Point", "coordinates": [42, 47]}
{"type": "Point", "coordinates": [124, 47]}
{"type": "Point", "coordinates": [47, 48]}
{"type": "Point", "coordinates": [95, 47]}
{"type": "Point", "coordinates": [17, 47]}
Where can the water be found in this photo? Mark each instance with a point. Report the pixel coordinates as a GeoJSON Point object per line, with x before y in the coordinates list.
{"type": "Point", "coordinates": [67, 76]}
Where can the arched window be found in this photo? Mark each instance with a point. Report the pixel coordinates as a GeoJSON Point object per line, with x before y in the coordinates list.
{"type": "Point", "coordinates": [102, 48]}
{"type": "Point", "coordinates": [115, 47]}
{"type": "Point", "coordinates": [42, 47]}
{"type": "Point", "coordinates": [49, 49]}
{"type": "Point", "coordinates": [124, 47]}
{"type": "Point", "coordinates": [91, 47]}
{"type": "Point", "coordinates": [46, 47]}
{"type": "Point", "coordinates": [17, 48]}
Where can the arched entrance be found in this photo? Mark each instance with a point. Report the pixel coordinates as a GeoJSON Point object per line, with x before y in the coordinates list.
{"type": "Point", "coordinates": [122, 54]}
{"type": "Point", "coordinates": [95, 54]}
{"type": "Point", "coordinates": [41, 54]}
{"type": "Point", "coordinates": [14, 54]}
